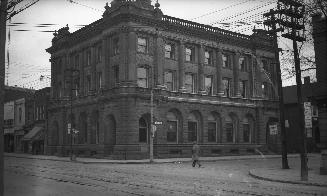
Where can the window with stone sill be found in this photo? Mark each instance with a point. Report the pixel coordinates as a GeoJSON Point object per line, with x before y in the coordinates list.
{"type": "Point", "coordinates": [242, 64]}
{"type": "Point", "coordinates": [88, 58]}
{"type": "Point", "coordinates": [208, 84]}
{"type": "Point", "coordinates": [116, 74]}
{"type": "Point", "coordinates": [227, 86]}
{"type": "Point", "coordinates": [189, 54]}
{"type": "Point", "coordinates": [143, 77]}
{"type": "Point", "coordinates": [115, 46]}
{"type": "Point", "coordinates": [170, 51]}
{"type": "Point", "coordinates": [172, 131]}
{"type": "Point", "coordinates": [170, 80]}
{"type": "Point", "coordinates": [243, 88]}
{"type": "Point", "coordinates": [143, 130]}
{"type": "Point", "coordinates": [212, 131]}
{"type": "Point", "coordinates": [88, 83]}
{"type": "Point", "coordinates": [99, 54]}
{"type": "Point", "coordinates": [142, 45]}
{"type": "Point", "coordinates": [208, 60]}
{"type": "Point", "coordinates": [190, 81]}
{"type": "Point", "coordinates": [99, 83]}
{"type": "Point", "coordinates": [226, 61]}
{"type": "Point", "coordinates": [246, 131]}
{"type": "Point", "coordinates": [77, 61]}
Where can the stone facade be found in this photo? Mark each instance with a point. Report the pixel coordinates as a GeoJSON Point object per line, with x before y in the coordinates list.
{"type": "Point", "coordinates": [208, 84]}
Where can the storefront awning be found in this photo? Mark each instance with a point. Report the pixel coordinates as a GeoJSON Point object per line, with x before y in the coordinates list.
{"type": "Point", "coordinates": [35, 134]}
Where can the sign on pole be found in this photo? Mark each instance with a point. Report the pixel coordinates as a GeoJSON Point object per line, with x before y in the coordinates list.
{"type": "Point", "coordinates": [273, 129]}
{"type": "Point", "coordinates": [158, 122]}
{"type": "Point", "coordinates": [69, 127]}
{"type": "Point", "coordinates": [307, 115]}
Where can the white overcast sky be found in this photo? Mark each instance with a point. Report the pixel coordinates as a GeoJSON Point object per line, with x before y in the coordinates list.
{"type": "Point", "coordinates": [28, 59]}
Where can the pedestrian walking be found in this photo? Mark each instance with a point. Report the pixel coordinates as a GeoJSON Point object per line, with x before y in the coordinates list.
{"type": "Point", "coordinates": [195, 154]}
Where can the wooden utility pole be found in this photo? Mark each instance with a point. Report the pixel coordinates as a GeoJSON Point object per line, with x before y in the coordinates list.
{"type": "Point", "coordinates": [3, 19]}
{"type": "Point", "coordinates": [271, 21]}
{"type": "Point", "coordinates": [290, 13]}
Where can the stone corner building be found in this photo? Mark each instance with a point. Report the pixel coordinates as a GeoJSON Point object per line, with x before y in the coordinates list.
{"type": "Point", "coordinates": [211, 85]}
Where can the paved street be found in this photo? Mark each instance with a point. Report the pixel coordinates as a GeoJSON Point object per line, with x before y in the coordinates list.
{"type": "Point", "coordinates": [228, 177]}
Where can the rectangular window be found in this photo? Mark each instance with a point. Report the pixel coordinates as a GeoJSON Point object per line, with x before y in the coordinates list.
{"type": "Point", "coordinates": [76, 86]}
{"type": "Point", "coordinates": [142, 77]}
{"type": "Point", "coordinates": [88, 58]}
{"type": "Point", "coordinates": [142, 45]}
{"type": "Point", "coordinates": [20, 114]}
{"type": "Point", "coordinates": [170, 78]}
{"type": "Point", "coordinates": [115, 45]}
{"type": "Point", "coordinates": [116, 74]}
{"type": "Point", "coordinates": [265, 90]}
{"type": "Point", "coordinates": [208, 57]}
{"type": "Point", "coordinates": [212, 130]}
{"type": "Point", "coordinates": [208, 84]}
{"type": "Point", "coordinates": [226, 60]}
{"type": "Point", "coordinates": [99, 54]}
{"type": "Point", "coordinates": [189, 54]}
{"type": "Point", "coordinates": [88, 83]}
{"type": "Point", "coordinates": [172, 131]}
{"type": "Point", "coordinates": [246, 132]}
{"type": "Point", "coordinates": [190, 82]}
{"type": "Point", "coordinates": [77, 61]}
{"type": "Point", "coordinates": [229, 132]}
{"type": "Point", "coordinates": [99, 80]}
{"type": "Point", "coordinates": [226, 86]}
{"type": "Point", "coordinates": [242, 64]}
{"type": "Point", "coordinates": [243, 88]}
{"type": "Point", "coordinates": [192, 131]}
{"type": "Point", "coordinates": [170, 51]}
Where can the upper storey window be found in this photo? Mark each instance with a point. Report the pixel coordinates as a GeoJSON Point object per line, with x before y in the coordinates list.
{"type": "Point", "coordinates": [190, 81]}
{"type": "Point", "coordinates": [99, 54]}
{"type": "Point", "coordinates": [226, 61]}
{"type": "Point", "coordinates": [170, 51]}
{"type": "Point", "coordinates": [142, 77]}
{"type": "Point", "coordinates": [142, 45]}
{"type": "Point", "coordinates": [189, 54]}
{"type": "Point", "coordinates": [208, 57]}
{"type": "Point", "coordinates": [88, 58]}
{"type": "Point", "coordinates": [242, 64]}
{"type": "Point", "coordinates": [116, 45]}
{"type": "Point", "coordinates": [77, 61]}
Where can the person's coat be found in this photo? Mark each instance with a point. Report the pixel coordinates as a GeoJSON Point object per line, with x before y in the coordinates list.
{"type": "Point", "coordinates": [195, 152]}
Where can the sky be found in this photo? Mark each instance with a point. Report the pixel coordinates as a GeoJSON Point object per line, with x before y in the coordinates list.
{"type": "Point", "coordinates": [28, 60]}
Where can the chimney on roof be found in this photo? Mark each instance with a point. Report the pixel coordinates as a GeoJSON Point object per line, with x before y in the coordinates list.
{"type": "Point", "coordinates": [307, 80]}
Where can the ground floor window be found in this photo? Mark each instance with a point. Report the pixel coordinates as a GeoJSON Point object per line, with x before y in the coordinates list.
{"type": "Point", "coordinates": [212, 131]}
{"type": "Point", "coordinates": [172, 131]}
{"type": "Point", "coordinates": [143, 130]}
{"type": "Point", "coordinates": [192, 131]}
{"type": "Point", "coordinates": [229, 132]}
{"type": "Point", "coordinates": [246, 132]}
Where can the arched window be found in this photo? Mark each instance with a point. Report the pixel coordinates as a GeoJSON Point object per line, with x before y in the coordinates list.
{"type": "Point", "coordinates": [172, 131]}
{"type": "Point", "coordinates": [192, 128]}
{"type": "Point", "coordinates": [212, 128]}
{"type": "Point", "coordinates": [229, 129]}
{"type": "Point", "coordinates": [246, 130]}
{"type": "Point", "coordinates": [143, 130]}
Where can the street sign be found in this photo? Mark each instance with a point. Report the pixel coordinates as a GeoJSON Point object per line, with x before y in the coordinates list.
{"type": "Point", "coordinates": [158, 122]}
{"type": "Point", "coordinates": [287, 124]}
{"type": "Point", "coordinates": [309, 132]}
{"type": "Point", "coordinates": [273, 129]}
{"type": "Point", "coordinates": [308, 123]}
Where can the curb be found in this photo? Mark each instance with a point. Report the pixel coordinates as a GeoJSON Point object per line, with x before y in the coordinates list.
{"type": "Point", "coordinates": [285, 181]}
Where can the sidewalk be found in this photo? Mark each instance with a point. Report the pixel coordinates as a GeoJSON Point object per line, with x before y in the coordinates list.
{"type": "Point", "coordinates": [293, 175]}
{"type": "Point", "coordinates": [167, 160]}
{"type": "Point", "coordinates": [275, 174]}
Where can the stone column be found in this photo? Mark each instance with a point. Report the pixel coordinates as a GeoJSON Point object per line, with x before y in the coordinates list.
{"type": "Point", "coordinates": [159, 58]}
{"type": "Point", "coordinates": [81, 73]}
{"type": "Point", "coordinates": [219, 65]}
{"type": "Point", "coordinates": [236, 73]}
{"type": "Point", "coordinates": [201, 86]}
{"type": "Point", "coordinates": [251, 76]}
{"type": "Point", "coordinates": [181, 68]}
{"type": "Point", "coordinates": [131, 67]}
